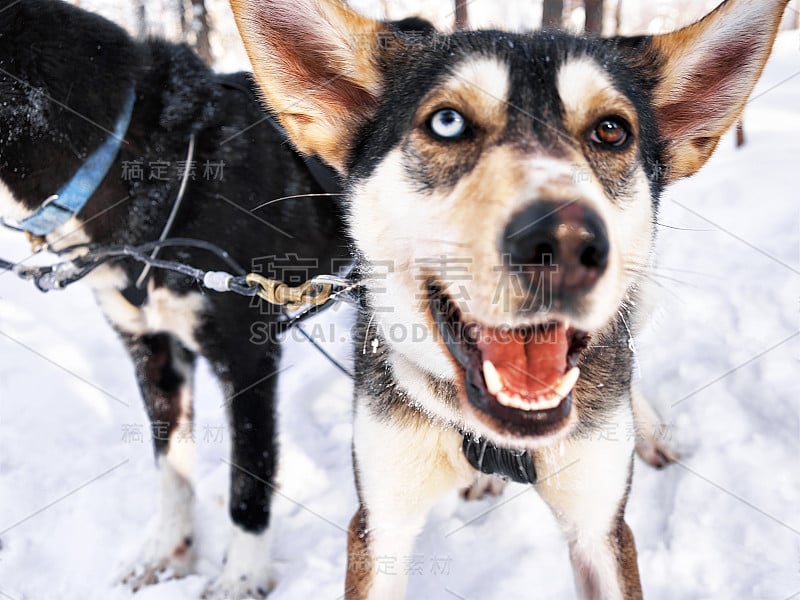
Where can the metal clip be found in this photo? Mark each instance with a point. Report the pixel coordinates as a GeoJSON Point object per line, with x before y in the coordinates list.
{"type": "Point", "coordinates": [38, 242]}
{"type": "Point", "coordinates": [276, 292]}
{"type": "Point", "coordinates": [49, 200]}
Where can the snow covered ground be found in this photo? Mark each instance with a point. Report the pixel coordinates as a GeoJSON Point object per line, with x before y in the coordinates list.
{"type": "Point", "coordinates": [78, 484]}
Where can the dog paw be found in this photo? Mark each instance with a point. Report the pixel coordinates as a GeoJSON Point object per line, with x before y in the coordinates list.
{"type": "Point", "coordinates": [656, 453]}
{"type": "Point", "coordinates": [241, 588]}
{"type": "Point", "coordinates": [247, 572]}
{"type": "Point", "coordinates": [156, 564]}
{"type": "Point", "coordinates": [483, 486]}
{"type": "Point", "coordinates": [651, 445]}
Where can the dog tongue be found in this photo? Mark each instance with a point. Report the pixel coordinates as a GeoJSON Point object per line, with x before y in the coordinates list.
{"type": "Point", "coordinates": [530, 363]}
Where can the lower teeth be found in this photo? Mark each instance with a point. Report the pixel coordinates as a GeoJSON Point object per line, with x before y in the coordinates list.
{"type": "Point", "coordinates": [560, 391]}
{"type": "Point", "coordinates": [538, 404]}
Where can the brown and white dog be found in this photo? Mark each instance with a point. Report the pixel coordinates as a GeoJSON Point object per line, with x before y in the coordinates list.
{"type": "Point", "coordinates": [503, 190]}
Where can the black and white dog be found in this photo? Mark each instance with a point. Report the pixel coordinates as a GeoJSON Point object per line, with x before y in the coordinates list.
{"type": "Point", "coordinates": [82, 105]}
{"type": "Point", "coordinates": [503, 190]}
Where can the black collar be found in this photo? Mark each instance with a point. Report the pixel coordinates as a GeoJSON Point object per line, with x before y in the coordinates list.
{"type": "Point", "coordinates": [516, 465]}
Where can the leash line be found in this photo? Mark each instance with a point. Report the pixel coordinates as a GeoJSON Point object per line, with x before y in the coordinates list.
{"type": "Point", "coordinates": [187, 168]}
{"type": "Point", "coordinates": [306, 300]}
{"type": "Point", "coordinates": [298, 303]}
{"type": "Point", "coordinates": [324, 352]}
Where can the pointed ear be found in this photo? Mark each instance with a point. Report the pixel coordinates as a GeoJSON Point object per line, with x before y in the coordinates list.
{"type": "Point", "coordinates": [316, 62]}
{"type": "Point", "coordinates": [706, 73]}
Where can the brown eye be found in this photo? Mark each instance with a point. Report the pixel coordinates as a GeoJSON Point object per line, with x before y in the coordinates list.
{"type": "Point", "coordinates": [611, 132]}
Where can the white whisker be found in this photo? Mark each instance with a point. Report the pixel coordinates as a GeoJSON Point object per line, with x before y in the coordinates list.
{"type": "Point", "coordinates": [292, 197]}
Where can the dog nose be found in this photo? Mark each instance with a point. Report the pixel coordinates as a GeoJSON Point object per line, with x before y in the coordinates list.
{"type": "Point", "coordinates": [567, 241]}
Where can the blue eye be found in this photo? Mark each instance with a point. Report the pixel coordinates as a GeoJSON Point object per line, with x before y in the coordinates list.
{"type": "Point", "coordinates": [447, 124]}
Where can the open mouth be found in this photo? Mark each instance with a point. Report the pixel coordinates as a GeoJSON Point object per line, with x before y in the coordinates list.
{"type": "Point", "coordinates": [519, 379]}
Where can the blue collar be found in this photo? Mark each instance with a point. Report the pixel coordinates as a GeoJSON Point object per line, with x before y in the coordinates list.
{"type": "Point", "coordinates": [73, 195]}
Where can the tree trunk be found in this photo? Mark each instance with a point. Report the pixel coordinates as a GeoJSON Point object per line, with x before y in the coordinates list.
{"type": "Point", "coordinates": [141, 19]}
{"type": "Point", "coordinates": [552, 13]}
{"type": "Point", "coordinates": [594, 16]}
{"type": "Point", "coordinates": [462, 19]}
{"type": "Point", "coordinates": [201, 30]}
{"type": "Point", "coordinates": [740, 140]}
{"type": "Point", "coordinates": [181, 6]}
{"type": "Point", "coordinates": [618, 18]}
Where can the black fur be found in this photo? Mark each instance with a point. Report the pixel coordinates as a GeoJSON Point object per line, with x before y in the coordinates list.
{"type": "Point", "coordinates": [55, 56]}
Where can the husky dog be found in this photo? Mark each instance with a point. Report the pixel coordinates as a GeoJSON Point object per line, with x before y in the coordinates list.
{"type": "Point", "coordinates": [502, 193]}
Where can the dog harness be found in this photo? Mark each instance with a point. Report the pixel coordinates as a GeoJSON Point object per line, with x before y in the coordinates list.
{"type": "Point", "coordinates": [516, 465]}
{"type": "Point", "coordinates": [73, 195]}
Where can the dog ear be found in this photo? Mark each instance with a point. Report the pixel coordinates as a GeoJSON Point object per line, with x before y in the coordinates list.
{"type": "Point", "coordinates": [316, 62]}
{"type": "Point", "coordinates": [705, 74]}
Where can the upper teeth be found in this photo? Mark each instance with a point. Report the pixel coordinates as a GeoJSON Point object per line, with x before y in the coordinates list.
{"type": "Point", "coordinates": [567, 382]}
{"type": "Point", "coordinates": [559, 391]}
{"type": "Point", "coordinates": [493, 382]}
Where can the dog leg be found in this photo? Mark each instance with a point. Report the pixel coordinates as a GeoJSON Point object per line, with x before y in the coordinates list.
{"type": "Point", "coordinates": [483, 486]}
{"type": "Point", "coordinates": [164, 370]}
{"type": "Point", "coordinates": [586, 484]}
{"type": "Point", "coordinates": [249, 382]}
{"type": "Point", "coordinates": [651, 446]}
{"type": "Point", "coordinates": [403, 466]}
